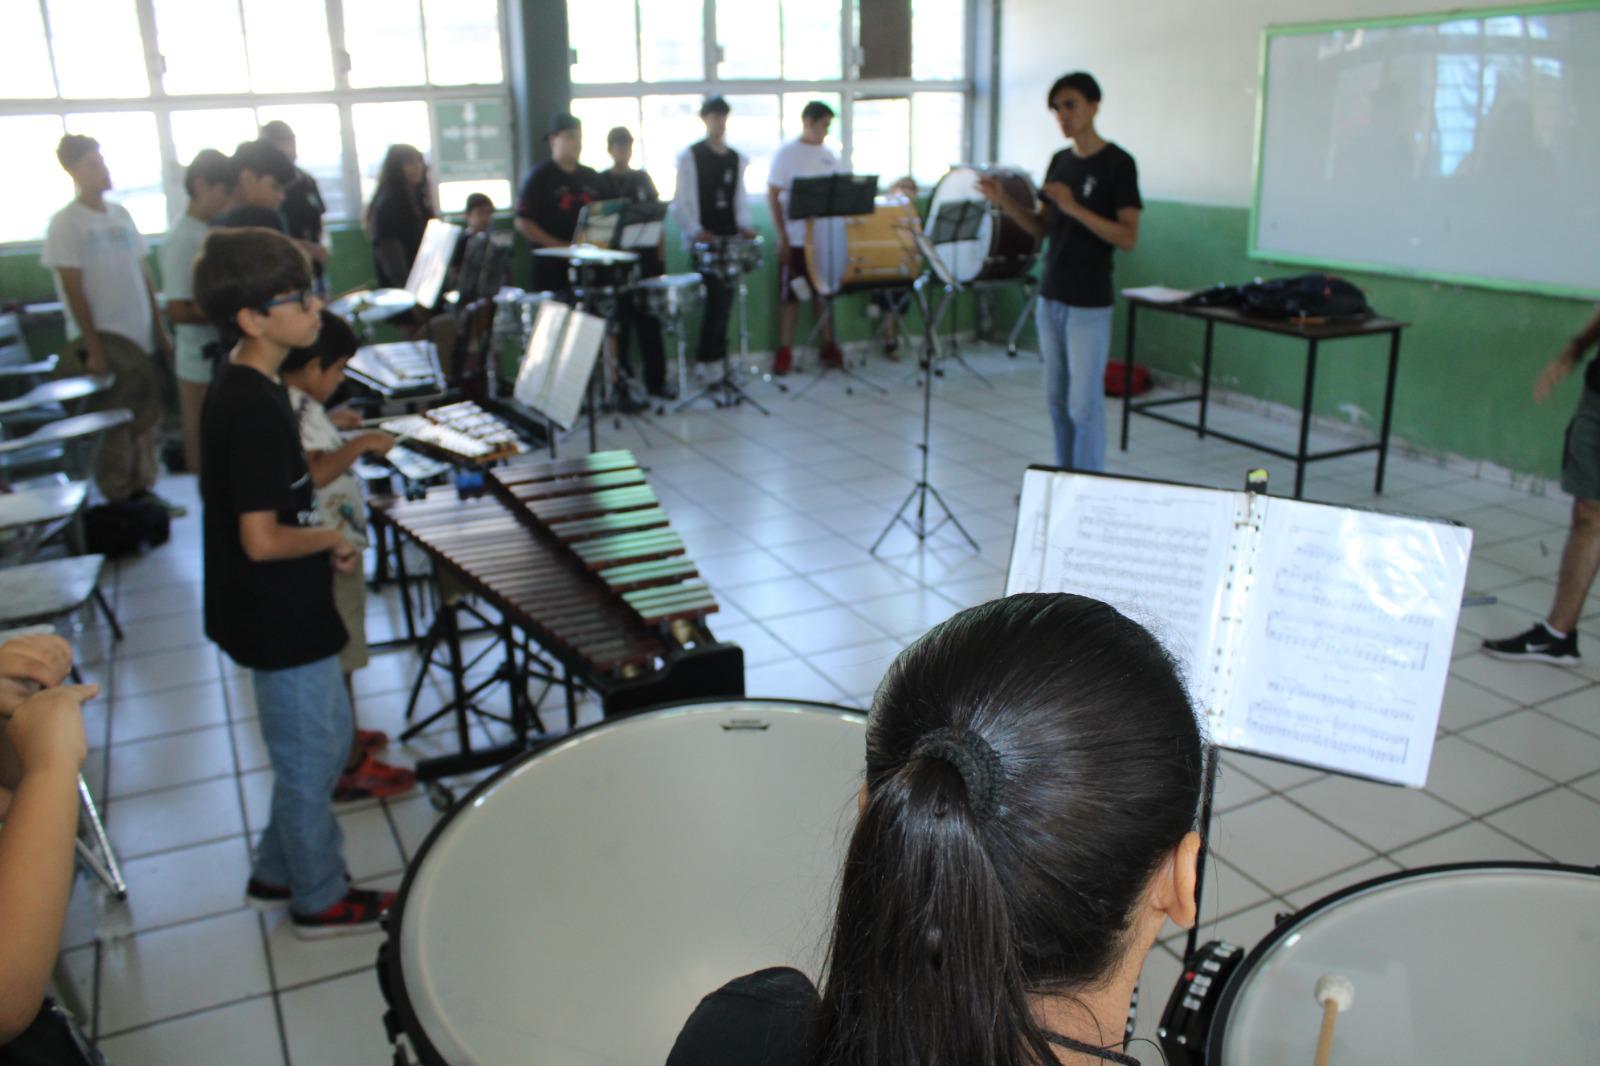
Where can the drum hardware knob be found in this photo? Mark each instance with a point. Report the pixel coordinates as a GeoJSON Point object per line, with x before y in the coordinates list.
{"type": "Point", "coordinates": [746, 725]}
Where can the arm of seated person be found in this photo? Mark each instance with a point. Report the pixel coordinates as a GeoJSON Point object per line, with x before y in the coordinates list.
{"type": "Point", "coordinates": [36, 847]}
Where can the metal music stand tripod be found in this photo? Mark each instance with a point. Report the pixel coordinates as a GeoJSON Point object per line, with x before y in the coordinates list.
{"type": "Point", "coordinates": [817, 200]}
{"type": "Point", "coordinates": [923, 488]}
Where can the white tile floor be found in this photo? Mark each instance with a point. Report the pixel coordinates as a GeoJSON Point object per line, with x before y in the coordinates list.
{"type": "Point", "coordinates": [779, 513]}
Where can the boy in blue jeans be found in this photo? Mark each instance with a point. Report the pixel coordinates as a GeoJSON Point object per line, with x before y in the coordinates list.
{"type": "Point", "coordinates": [268, 564]}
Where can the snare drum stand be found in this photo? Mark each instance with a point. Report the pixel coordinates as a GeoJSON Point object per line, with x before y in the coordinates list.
{"type": "Point", "coordinates": [726, 390]}
{"type": "Point", "coordinates": [605, 301]}
{"type": "Point", "coordinates": [923, 489]}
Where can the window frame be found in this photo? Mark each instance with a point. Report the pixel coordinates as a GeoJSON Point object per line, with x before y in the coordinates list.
{"type": "Point", "coordinates": [849, 86]}
{"type": "Point", "coordinates": [163, 104]}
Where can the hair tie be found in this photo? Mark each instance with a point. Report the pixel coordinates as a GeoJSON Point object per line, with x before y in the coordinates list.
{"type": "Point", "coordinates": [974, 759]}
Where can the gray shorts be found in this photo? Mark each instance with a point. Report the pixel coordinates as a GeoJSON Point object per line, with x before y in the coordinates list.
{"type": "Point", "coordinates": [1580, 465]}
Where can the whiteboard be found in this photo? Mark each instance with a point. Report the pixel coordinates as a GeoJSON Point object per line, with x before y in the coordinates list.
{"type": "Point", "coordinates": [1459, 147]}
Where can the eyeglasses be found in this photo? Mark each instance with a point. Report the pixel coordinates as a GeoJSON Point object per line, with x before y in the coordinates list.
{"type": "Point", "coordinates": [303, 298]}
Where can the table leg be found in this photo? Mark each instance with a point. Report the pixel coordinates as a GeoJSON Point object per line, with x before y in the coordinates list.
{"type": "Point", "coordinates": [1388, 409]}
{"type": "Point", "coordinates": [1205, 375]}
{"type": "Point", "coordinates": [1305, 419]}
{"type": "Point", "coordinates": [1127, 375]}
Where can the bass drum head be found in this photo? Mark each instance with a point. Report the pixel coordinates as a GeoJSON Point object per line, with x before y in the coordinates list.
{"type": "Point", "coordinates": [965, 259]}
{"type": "Point", "coordinates": [1494, 962]}
{"type": "Point", "coordinates": [577, 906]}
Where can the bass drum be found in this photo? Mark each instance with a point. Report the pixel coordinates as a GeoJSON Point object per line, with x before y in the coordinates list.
{"type": "Point", "coordinates": [576, 906]}
{"type": "Point", "coordinates": [863, 251]}
{"type": "Point", "coordinates": [1476, 962]}
{"type": "Point", "coordinates": [1000, 249]}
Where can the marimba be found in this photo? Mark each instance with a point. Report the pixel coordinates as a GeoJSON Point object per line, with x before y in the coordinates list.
{"type": "Point", "coordinates": [399, 370]}
{"type": "Point", "coordinates": [461, 433]}
{"type": "Point", "coordinates": [578, 556]}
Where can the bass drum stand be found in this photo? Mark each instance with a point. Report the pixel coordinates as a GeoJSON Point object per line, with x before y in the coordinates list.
{"type": "Point", "coordinates": [923, 489]}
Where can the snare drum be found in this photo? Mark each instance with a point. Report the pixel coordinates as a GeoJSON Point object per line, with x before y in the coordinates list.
{"type": "Point", "coordinates": [1476, 962]}
{"type": "Point", "coordinates": [670, 296]}
{"type": "Point", "coordinates": [575, 907]}
{"type": "Point", "coordinates": [864, 250]}
{"type": "Point", "coordinates": [728, 258]}
{"type": "Point", "coordinates": [1001, 249]}
{"type": "Point", "coordinates": [594, 270]}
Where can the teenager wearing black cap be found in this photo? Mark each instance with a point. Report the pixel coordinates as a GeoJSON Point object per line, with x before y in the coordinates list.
{"type": "Point", "coordinates": [552, 195]}
{"type": "Point", "coordinates": [710, 202]}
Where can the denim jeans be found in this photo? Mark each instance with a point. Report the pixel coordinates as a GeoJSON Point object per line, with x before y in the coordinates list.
{"type": "Point", "coordinates": [1075, 343]}
{"type": "Point", "coordinates": [307, 723]}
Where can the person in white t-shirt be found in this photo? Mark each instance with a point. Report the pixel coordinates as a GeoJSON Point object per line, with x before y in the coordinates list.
{"type": "Point", "coordinates": [805, 157]}
{"type": "Point", "coordinates": [98, 257]}
{"type": "Point", "coordinates": [209, 182]}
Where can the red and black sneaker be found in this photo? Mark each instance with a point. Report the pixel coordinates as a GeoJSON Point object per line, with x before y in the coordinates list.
{"type": "Point", "coordinates": [359, 912]}
{"type": "Point", "coordinates": [264, 897]}
{"type": "Point", "coordinates": [372, 779]}
{"type": "Point", "coordinates": [782, 361]}
{"type": "Point", "coordinates": [371, 741]}
{"type": "Point", "coordinates": [831, 355]}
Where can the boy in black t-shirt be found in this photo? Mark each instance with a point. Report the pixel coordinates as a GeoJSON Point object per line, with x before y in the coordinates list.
{"type": "Point", "coordinates": [1090, 206]}
{"type": "Point", "coordinates": [268, 594]}
{"type": "Point", "coordinates": [552, 195]}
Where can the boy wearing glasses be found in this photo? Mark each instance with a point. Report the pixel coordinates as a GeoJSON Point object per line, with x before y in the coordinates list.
{"type": "Point", "coordinates": [268, 574]}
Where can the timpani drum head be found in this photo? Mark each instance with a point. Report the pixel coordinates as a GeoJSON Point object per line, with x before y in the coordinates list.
{"type": "Point", "coordinates": [1494, 962]}
{"type": "Point", "coordinates": [576, 906]}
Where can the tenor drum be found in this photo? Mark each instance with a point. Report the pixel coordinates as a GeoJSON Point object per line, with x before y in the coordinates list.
{"type": "Point", "coordinates": [595, 270]}
{"type": "Point", "coordinates": [1000, 249]}
{"type": "Point", "coordinates": [729, 258]}
{"type": "Point", "coordinates": [575, 907]}
{"type": "Point", "coordinates": [670, 295]}
{"type": "Point", "coordinates": [861, 251]}
{"type": "Point", "coordinates": [1481, 962]}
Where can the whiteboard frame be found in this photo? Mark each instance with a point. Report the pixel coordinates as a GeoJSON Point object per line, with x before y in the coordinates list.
{"type": "Point", "coordinates": [1271, 33]}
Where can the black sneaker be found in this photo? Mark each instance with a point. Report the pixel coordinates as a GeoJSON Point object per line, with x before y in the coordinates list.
{"type": "Point", "coordinates": [1536, 645]}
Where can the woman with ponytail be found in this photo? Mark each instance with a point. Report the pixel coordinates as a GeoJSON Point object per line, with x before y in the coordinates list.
{"type": "Point", "coordinates": [1027, 829]}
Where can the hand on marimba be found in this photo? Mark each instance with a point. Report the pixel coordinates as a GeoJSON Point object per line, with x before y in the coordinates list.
{"type": "Point", "coordinates": [376, 443]}
{"type": "Point", "coordinates": [345, 418]}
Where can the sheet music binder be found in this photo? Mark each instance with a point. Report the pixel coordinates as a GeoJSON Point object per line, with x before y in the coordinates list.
{"type": "Point", "coordinates": [833, 195]}
{"type": "Point", "coordinates": [554, 376]}
{"type": "Point", "coordinates": [426, 280]}
{"type": "Point", "coordinates": [1307, 632]}
{"type": "Point", "coordinates": [623, 225]}
{"type": "Point", "coordinates": [957, 221]}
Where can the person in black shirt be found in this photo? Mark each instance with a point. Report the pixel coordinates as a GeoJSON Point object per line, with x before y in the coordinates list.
{"type": "Point", "coordinates": [1555, 638]}
{"type": "Point", "coordinates": [635, 186]}
{"type": "Point", "coordinates": [1026, 831]}
{"type": "Point", "coordinates": [552, 195]}
{"type": "Point", "coordinates": [302, 200]}
{"type": "Point", "coordinates": [710, 202]}
{"type": "Point", "coordinates": [268, 594]}
{"type": "Point", "coordinates": [1091, 206]}
{"type": "Point", "coordinates": [398, 214]}
{"type": "Point", "coordinates": [260, 173]}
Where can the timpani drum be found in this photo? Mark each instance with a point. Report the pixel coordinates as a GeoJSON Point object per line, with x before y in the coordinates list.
{"type": "Point", "coordinates": [728, 258]}
{"type": "Point", "coordinates": [577, 905]}
{"type": "Point", "coordinates": [1478, 962]}
{"type": "Point", "coordinates": [1001, 249]}
{"type": "Point", "coordinates": [670, 296]}
{"type": "Point", "coordinates": [862, 251]}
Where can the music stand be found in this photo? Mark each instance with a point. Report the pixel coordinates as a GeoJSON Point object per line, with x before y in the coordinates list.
{"type": "Point", "coordinates": [953, 223]}
{"type": "Point", "coordinates": [828, 196]}
{"type": "Point", "coordinates": [556, 377]}
{"type": "Point", "coordinates": [930, 350]}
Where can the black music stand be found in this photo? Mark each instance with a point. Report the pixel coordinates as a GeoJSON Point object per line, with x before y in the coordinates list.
{"type": "Point", "coordinates": [953, 223]}
{"type": "Point", "coordinates": [823, 197]}
{"type": "Point", "coordinates": [923, 488]}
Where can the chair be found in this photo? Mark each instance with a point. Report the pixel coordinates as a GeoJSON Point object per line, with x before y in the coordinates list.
{"type": "Point", "coordinates": [19, 371]}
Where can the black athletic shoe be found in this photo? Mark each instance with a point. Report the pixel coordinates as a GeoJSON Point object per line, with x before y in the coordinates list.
{"type": "Point", "coordinates": [1536, 645]}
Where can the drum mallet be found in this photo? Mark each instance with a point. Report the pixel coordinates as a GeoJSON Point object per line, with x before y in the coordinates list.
{"type": "Point", "coordinates": [1335, 994]}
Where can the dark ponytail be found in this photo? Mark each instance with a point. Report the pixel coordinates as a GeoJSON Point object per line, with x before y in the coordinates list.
{"type": "Point", "coordinates": [959, 901]}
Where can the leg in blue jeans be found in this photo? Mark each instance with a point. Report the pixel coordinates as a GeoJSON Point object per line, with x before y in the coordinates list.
{"type": "Point", "coordinates": [1075, 343]}
{"type": "Point", "coordinates": [307, 723]}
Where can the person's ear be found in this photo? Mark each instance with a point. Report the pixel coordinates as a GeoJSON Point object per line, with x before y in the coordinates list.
{"type": "Point", "coordinates": [1178, 878]}
{"type": "Point", "coordinates": [249, 321]}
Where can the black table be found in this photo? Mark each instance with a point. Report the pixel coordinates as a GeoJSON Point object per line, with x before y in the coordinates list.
{"type": "Point", "coordinates": [1313, 334]}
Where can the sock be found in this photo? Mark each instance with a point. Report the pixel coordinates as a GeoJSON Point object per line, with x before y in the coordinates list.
{"type": "Point", "coordinates": [1553, 631]}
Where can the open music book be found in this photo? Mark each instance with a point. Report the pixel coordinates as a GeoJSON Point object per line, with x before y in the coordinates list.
{"type": "Point", "coordinates": [428, 269]}
{"type": "Point", "coordinates": [561, 354]}
{"type": "Point", "coordinates": [1307, 632]}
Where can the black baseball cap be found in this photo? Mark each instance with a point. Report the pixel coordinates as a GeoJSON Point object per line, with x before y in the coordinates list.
{"type": "Point", "coordinates": [562, 121]}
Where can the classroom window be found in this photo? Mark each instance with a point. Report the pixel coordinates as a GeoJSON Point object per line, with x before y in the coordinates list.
{"type": "Point", "coordinates": [213, 71]}
{"type": "Point", "coordinates": [894, 72]}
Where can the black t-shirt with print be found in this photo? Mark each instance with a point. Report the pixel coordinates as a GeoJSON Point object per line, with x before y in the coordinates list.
{"type": "Point", "coordinates": [1077, 262]}
{"type": "Point", "coordinates": [551, 198]}
{"type": "Point", "coordinates": [267, 616]}
{"type": "Point", "coordinates": [716, 173]}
